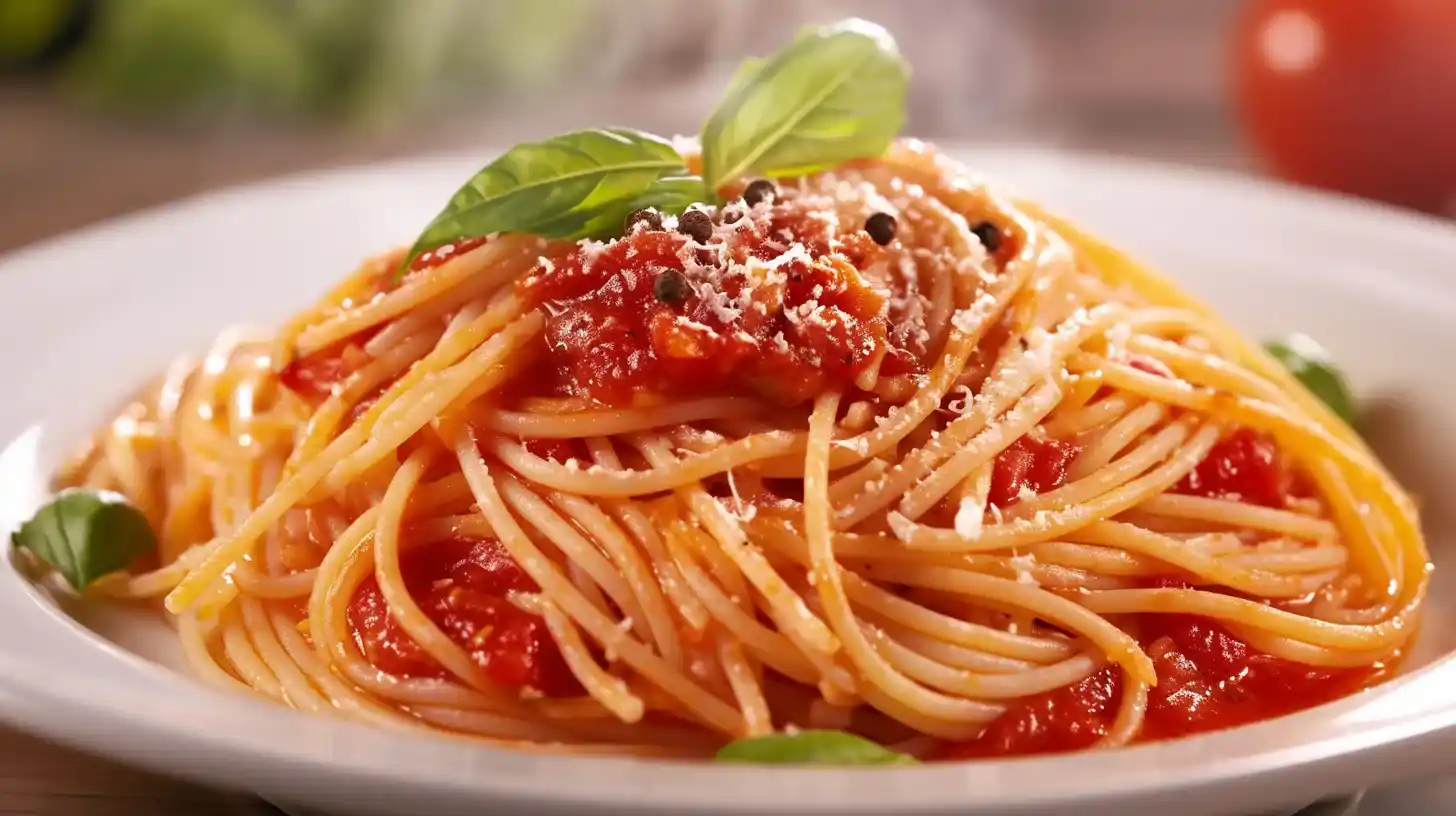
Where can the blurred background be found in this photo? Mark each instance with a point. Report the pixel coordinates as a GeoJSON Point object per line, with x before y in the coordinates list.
{"type": "Point", "coordinates": [111, 105]}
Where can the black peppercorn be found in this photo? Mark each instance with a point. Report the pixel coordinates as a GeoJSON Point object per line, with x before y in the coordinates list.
{"type": "Point", "coordinates": [989, 234]}
{"type": "Point", "coordinates": [881, 227]}
{"type": "Point", "coordinates": [671, 287]}
{"type": "Point", "coordinates": [696, 224]}
{"type": "Point", "coordinates": [759, 190]}
{"type": "Point", "coordinates": [651, 218]}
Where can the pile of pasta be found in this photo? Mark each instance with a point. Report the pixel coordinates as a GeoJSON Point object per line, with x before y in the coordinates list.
{"type": "Point", "coordinates": [709, 567]}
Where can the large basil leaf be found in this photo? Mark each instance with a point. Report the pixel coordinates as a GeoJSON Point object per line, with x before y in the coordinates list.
{"type": "Point", "coordinates": [556, 188]}
{"type": "Point", "coordinates": [666, 195]}
{"type": "Point", "coordinates": [833, 94]}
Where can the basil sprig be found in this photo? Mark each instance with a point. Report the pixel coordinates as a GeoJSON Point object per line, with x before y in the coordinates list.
{"type": "Point", "coordinates": [1312, 366]}
{"type": "Point", "coordinates": [811, 748]}
{"type": "Point", "coordinates": [575, 185]}
{"type": "Point", "coordinates": [84, 535]}
{"type": "Point", "coordinates": [835, 93]}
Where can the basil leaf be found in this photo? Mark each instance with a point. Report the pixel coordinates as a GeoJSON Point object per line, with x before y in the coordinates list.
{"type": "Point", "coordinates": [1311, 364]}
{"type": "Point", "coordinates": [85, 535]}
{"type": "Point", "coordinates": [745, 73]}
{"type": "Point", "coordinates": [554, 188]}
{"type": "Point", "coordinates": [811, 748]}
{"type": "Point", "coordinates": [833, 94]}
{"type": "Point", "coordinates": [669, 196]}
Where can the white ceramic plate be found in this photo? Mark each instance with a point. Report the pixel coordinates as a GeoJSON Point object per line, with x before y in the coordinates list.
{"type": "Point", "coordinates": [85, 318]}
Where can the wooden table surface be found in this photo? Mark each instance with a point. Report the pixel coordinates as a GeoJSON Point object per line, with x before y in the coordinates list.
{"type": "Point", "coordinates": [42, 779]}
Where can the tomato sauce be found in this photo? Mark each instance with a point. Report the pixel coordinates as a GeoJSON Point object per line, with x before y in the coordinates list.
{"type": "Point", "coordinates": [313, 377]}
{"type": "Point", "coordinates": [1067, 719]}
{"type": "Point", "coordinates": [1030, 464]}
{"type": "Point", "coordinates": [559, 451]}
{"type": "Point", "coordinates": [1244, 466]}
{"type": "Point", "coordinates": [1149, 365]}
{"type": "Point", "coordinates": [461, 585]}
{"type": "Point", "coordinates": [771, 306]}
{"type": "Point", "coordinates": [1207, 680]}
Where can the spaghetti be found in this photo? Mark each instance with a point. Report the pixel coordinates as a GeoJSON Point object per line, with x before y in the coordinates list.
{"type": "Point", "coordinates": [976, 487]}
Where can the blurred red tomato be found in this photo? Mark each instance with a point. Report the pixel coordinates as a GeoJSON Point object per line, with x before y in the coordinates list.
{"type": "Point", "coordinates": [1353, 95]}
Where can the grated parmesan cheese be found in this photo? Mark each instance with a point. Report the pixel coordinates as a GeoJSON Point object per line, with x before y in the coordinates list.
{"type": "Point", "coordinates": [902, 527]}
{"type": "Point", "coordinates": [969, 519]}
{"type": "Point", "coordinates": [623, 626]}
{"type": "Point", "coordinates": [967, 320]}
{"type": "Point", "coordinates": [743, 510]}
{"type": "Point", "coordinates": [688, 323]}
{"type": "Point", "coordinates": [1024, 565]}
{"type": "Point", "coordinates": [1118, 335]}
{"type": "Point", "coordinates": [960, 404]}
{"type": "Point", "coordinates": [590, 251]}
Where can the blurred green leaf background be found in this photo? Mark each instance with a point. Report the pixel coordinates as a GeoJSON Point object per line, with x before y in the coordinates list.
{"type": "Point", "coordinates": [346, 59]}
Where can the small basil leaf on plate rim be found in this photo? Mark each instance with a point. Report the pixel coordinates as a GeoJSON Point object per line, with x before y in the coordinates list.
{"type": "Point", "coordinates": [84, 535]}
{"type": "Point", "coordinates": [834, 94]}
{"type": "Point", "coordinates": [811, 748]}
{"type": "Point", "coordinates": [1313, 367]}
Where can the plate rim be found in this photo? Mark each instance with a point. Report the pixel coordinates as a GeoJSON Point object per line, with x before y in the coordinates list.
{"type": "Point", "coordinates": [54, 711]}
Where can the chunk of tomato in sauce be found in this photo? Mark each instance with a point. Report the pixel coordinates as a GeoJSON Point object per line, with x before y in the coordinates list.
{"type": "Point", "coordinates": [1030, 464]}
{"type": "Point", "coordinates": [899, 361]}
{"type": "Point", "coordinates": [559, 451]}
{"type": "Point", "coordinates": [1066, 719]}
{"type": "Point", "coordinates": [771, 307]}
{"type": "Point", "coordinates": [313, 377]}
{"type": "Point", "coordinates": [461, 584]}
{"type": "Point", "coordinates": [1209, 679]}
{"type": "Point", "coordinates": [1243, 466]}
{"type": "Point", "coordinates": [1150, 365]}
